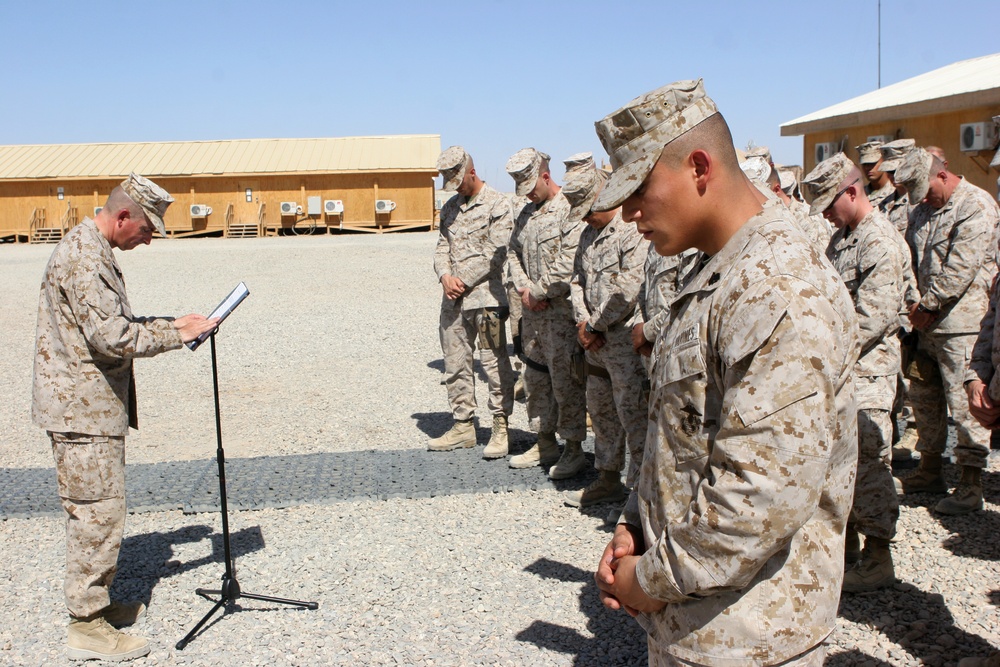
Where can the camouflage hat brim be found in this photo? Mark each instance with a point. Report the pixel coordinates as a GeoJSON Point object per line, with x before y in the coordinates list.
{"type": "Point", "coordinates": [625, 180]}
{"type": "Point", "coordinates": [156, 220]}
{"type": "Point", "coordinates": [527, 184]}
{"type": "Point", "coordinates": [582, 209]}
{"type": "Point", "coordinates": [918, 190]}
{"type": "Point", "coordinates": [890, 165]}
{"type": "Point", "coordinates": [453, 178]}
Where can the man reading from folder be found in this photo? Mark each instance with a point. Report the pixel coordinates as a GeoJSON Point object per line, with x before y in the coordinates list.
{"type": "Point", "coordinates": [83, 395]}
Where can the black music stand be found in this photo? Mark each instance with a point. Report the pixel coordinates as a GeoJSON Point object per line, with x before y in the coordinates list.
{"type": "Point", "coordinates": [230, 591]}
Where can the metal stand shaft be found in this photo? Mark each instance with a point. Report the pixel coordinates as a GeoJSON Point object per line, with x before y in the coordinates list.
{"type": "Point", "coordinates": [229, 592]}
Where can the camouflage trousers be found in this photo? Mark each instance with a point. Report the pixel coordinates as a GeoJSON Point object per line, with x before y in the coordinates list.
{"type": "Point", "coordinates": [459, 332]}
{"type": "Point", "coordinates": [90, 471]}
{"type": "Point", "coordinates": [618, 407]}
{"type": "Point", "coordinates": [814, 657]}
{"type": "Point", "coordinates": [876, 505]}
{"type": "Point", "coordinates": [937, 376]}
{"type": "Point", "coordinates": [556, 399]}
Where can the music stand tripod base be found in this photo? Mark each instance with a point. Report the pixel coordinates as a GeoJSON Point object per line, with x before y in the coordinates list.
{"type": "Point", "coordinates": [230, 591]}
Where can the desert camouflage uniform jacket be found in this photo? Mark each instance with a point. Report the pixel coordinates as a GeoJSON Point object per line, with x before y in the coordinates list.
{"type": "Point", "coordinates": [897, 208]}
{"type": "Point", "coordinates": [876, 197]}
{"type": "Point", "coordinates": [472, 246]}
{"type": "Point", "coordinates": [748, 473]}
{"type": "Point", "coordinates": [954, 257]}
{"type": "Point", "coordinates": [607, 274]}
{"type": "Point", "coordinates": [665, 277]}
{"type": "Point", "coordinates": [86, 339]}
{"type": "Point", "coordinates": [815, 227]}
{"type": "Point", "coordinates": [986, 353]}
{"type": "Point", "coordinates": [874, 263]}
{"type": "Point", "coordinates": [542, 250]}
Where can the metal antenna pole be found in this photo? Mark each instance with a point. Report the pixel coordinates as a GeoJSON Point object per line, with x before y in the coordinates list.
{"type": "Point", "coordinates": [879, 43]}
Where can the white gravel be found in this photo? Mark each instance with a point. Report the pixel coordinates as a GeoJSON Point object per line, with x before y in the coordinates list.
{"type": "Point", "coordinates": [336, 350]}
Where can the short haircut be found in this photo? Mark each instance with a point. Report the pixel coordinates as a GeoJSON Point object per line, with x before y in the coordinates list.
{"type": "Point", "coordinates": [712, 135]}
{"type": "Point", "coordinates": [937, 165]}
{"type": "Point", "coordinates": [853, 175]}
{"type": "Point", "coordinates": [118, 200]}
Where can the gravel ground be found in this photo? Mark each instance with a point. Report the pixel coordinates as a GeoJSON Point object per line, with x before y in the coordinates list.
{"type": "Point", "coordinates": [336, 351]}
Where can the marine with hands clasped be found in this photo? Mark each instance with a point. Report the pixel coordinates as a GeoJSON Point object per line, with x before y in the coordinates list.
{"type": "Point", "coordinates": [952, 238]}
{"type": "Point", "coordinates": [469, 262]}
{"type": "Point", "coordinates": [605, 290]}
{"type": "Point", "coordinates": [874, 262]}
{"type": "Point", "coordinates": [540, 265]}
{"type": "Point", "coordinates": [730, 548]}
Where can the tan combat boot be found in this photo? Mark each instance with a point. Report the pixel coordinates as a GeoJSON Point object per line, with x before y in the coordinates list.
{"type": "Point", "coordinates": [519, 393]}
{"type": "Point", "coordinates": [571, 463]}
{"type": "Point", "coordinates": [545, 452]}
{"type": "Point", "coordinates": [852, 547]}
{"type": "Point", "coordinates": [927, 478]}
{"type": "Point", "coordinates": [120, 614]}
{"type": "Point", "coordinates": [97, 640]}
{"type": "Point", "coordinates": [967, 496]}
{"type": "Point", "coordinates": [461, 435]}
{"type": "Point", "coordinates": [499, 442]}
{"type": "Point", "coordinates": [607, 488]}
{"type": "Point", "coordinates": [903, 450]}
{"type": "Point", "coordinates": [873, 571]}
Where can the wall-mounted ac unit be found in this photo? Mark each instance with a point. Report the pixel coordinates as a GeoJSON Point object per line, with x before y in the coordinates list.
{"type": "Point", "coordinates": [384, 205]}
{"type": "Point", "coordinates": [884, 138]}
{"type": "Point", "coordinates": [200, 211]}
{"type": "Point", "coordinates": [333, 206]}
{"type": "Point", "coordinates": [978, 137]}
{"type": "Point", "coordinates": [825, 150]}
{"type": "Point", "coordinates": [290, 208]}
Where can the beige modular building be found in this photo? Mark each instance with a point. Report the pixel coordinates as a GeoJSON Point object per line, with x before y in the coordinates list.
{"type": "Point", "coordinates": [951, 107]}
{"type": "Point", "coordinates": [247, 187]}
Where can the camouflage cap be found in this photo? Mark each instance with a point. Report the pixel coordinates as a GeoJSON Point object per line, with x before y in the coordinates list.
{"type": "Point", "coordinates": [868, 152]}
{"type": "Point", "coordinates": [579, 161]}
{"type": "Point", "coordinates": [914, 173]}
{"type": "Point", "coordinates": [525, 167]}
{"type": "Point", "coordinates": [894, 152]}
{"type": "Point", "coordinates": [153, 199]}
{"type": "Point", "coordinates": [581, 189]}
{"type": "Point", "coordinates": [760, 151]}
{"type": "Point", "coordinates": [821, 184]}
{"type": "Point", "coordinates": [756, 168]}
{"type": "Point", "coordinates": [788, 181]}
{"type": "Point", "coordinates": [634, 136]}
{"type": "Point", "coordinates": [453, 163]}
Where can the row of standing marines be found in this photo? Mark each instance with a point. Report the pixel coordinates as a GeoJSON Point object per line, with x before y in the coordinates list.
{"type": "Point", "coordinates": [748, 360]}
{"type": "Point", "coordinates": [753, 364]}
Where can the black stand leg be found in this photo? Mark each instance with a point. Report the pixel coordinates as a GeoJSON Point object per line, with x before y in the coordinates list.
{"type": "Point", "coordinates": [229, 592]}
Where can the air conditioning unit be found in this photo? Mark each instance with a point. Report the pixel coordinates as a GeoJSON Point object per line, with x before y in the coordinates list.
{"type": "Point", "coordinates": [290, 208]}
{"type": "Point", "coordinates": [978, 137]}
{"type": "Point", "coordinates": [384, 205]}
{"type": "Point", "coordinates": [200, 211]}
{"type": "Point", "coordinates": [825, 150]}
{"type": "Point", "coordinates": [884, 138]}
{"type": "Point", "coordinates": [333, 206]}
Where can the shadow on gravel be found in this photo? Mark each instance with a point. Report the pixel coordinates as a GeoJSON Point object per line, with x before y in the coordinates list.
{"type": "Point", "coordinates": [994, 597]}
{"type": "Point", "coordinates": [618, 639]}
{"type": "Point", "coordinates": [854, 658]}
{"type": "Point", "coordinates": [918, 621]}
{"type": "Point", "coordinates": [146, 559]}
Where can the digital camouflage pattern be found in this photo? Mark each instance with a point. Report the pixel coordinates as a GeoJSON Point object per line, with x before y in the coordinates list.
{"type": "Point", "coordinates": [605, 291]}
{"type": "Point", "coordinates": [986, 353]}
{"type": "Point", "coordinates": [86, 339]}
{"type": "Point", "coordinates": [877, 197]}
{"type": "Point", "coordinates": [540, 259]}
{"type": "Point", "coordinates": [748, 472]}
{"type": "Point", "coordinates": [874, 264]}
{"type": "Point", "coordinates": [472, 246]}
{"type": "Point", "coordinates": [90, 472]}
{"type": "Point", "coordinates": [815, 227]}
{"type": "Point", "coordinates": [897, 208]}
{"type": "Point", "coordinates": [664, 278]}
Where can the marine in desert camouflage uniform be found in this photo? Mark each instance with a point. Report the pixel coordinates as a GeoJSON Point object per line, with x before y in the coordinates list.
{"type": "Point", "coordinates": [469, 262]}
{"type": "Point", "coordinates": [730, 550]}
{"type": "Point", "coordinates": [540, 258]}
{"type": "Point", "coordinates": [952, 238]}
{"type": "Point", "coordinates": [84, 396]}
{"type": "Point", "coordinates": [872, 259]}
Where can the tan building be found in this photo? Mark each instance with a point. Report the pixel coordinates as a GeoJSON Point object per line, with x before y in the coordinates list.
{"type": "Point", "coordinates": [951, 107]}
{"type": "Point", "coordinates": [249, 187]}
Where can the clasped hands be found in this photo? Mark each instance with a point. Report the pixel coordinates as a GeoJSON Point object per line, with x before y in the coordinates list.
{"type": "Point", "coordinates": [616, 580]}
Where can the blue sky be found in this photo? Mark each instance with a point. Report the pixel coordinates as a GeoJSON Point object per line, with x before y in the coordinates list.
{"type": "Point", "coordinates": [492, 76]}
